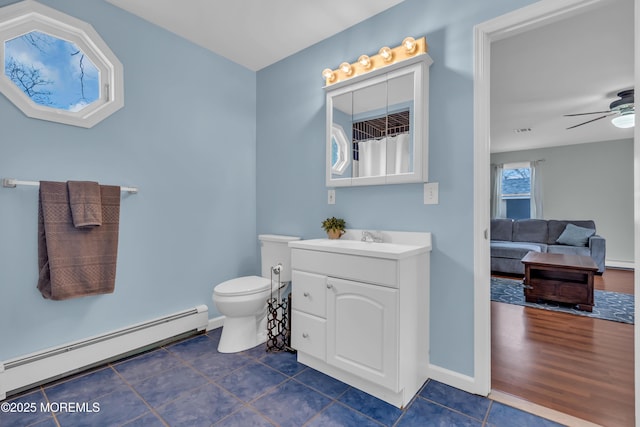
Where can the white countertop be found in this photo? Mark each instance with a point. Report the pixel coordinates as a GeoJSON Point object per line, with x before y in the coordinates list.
{"type": "Point", "coordinates": [389, 250]}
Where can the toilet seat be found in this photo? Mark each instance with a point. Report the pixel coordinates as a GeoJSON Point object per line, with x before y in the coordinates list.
{"type": "Point", "coordinates": [246, 285]}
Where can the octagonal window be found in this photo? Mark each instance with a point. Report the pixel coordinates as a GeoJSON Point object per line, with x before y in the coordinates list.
{"type": "Point", "coordinates": [51, 71]}
{"type": "Point", "coordinates": [57, 67]}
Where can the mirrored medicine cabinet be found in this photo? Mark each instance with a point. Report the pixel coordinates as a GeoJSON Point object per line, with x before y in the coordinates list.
{"type": "Point", "coordinates": [377, 126]}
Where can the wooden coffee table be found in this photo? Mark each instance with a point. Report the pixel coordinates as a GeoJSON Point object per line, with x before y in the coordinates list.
{"type": "Point", "coordinates": [559, 278]}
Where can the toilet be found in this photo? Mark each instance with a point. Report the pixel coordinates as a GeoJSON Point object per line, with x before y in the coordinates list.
{"type": "Point", "coordinates": [243, 300]}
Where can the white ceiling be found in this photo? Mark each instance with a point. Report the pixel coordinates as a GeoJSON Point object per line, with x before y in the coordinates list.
{"type": "Point", "coordinates": [571, 66]}
{"type": "Point", "coordinates": [255, 33]}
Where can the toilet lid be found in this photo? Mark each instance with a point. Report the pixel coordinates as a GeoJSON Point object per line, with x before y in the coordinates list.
{"type": "Point", "coordinates": [243, 286]}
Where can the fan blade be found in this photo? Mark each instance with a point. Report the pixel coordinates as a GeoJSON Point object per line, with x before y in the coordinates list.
{"type": "Point", "coordinates": [584, 114]}
{"type": "Point", "coordinates": [592, 120]}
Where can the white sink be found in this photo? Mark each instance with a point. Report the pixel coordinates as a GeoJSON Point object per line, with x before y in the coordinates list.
{"type": "Point", "coordinates": [400, 248]}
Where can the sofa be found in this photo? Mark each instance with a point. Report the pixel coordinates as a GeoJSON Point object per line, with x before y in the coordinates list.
{"type": "Point", "coordinates": [512, 239]}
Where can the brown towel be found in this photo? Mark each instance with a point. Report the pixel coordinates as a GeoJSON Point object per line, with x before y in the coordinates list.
{"type": "Point", "coordinates": [76, 262]}
{"type": "Point", "coordinates": [85, 202]}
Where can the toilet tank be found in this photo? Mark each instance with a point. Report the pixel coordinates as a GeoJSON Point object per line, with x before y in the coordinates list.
{"type": "Point", "coordinates": [274, 250]}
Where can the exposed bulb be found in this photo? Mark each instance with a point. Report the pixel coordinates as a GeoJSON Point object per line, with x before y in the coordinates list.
{"type": "Point", "coordinates": [386, 54]}
{"type": "Point", "coordinates": [328, 75]}
{"type": "Point", "coordinates": [346, 68]}
{"type": "Point", "coordinates": [409, 44]}
{"type": "Point", "coordinates": [365, 61]}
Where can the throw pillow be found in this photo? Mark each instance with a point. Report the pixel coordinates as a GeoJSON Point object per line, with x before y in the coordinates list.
{"type": "Point", "coordinates": [575, 236]}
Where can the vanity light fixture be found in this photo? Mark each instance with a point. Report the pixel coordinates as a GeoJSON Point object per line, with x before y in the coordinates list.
{"type": "Point", "coordinates": [386, 56]}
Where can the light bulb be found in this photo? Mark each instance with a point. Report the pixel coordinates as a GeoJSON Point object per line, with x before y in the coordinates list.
{"type": "Point", "coordinates": [328, 75]}
{"type": "Point", "coordinates": [624, 120]}
{"type": "Point", "coordinates": [386, 54]}
{"type": "Point", "coordinates": [365, 61]}
{"type": "Point", "coordinates": [409, 44]}
{"type": "Point", "coordinates": [346, 68]}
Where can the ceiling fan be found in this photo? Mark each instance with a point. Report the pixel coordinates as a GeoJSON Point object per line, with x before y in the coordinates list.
{"type": "Point", "coordinates": [622, 108]}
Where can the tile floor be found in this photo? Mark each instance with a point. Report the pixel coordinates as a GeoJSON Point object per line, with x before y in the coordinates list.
{"type": "Point", "coordinates": [190, 384]}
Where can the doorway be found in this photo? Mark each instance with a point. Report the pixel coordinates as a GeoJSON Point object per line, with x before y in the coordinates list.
{"type": "Point", "coordinates": [517, 22]}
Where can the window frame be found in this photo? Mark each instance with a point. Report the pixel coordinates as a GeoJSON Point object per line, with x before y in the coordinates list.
{"type": "Point", "coordinates": [27, 16]}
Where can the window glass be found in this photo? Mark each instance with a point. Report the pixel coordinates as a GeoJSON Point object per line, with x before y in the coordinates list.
{"type": "Point", "coordinates": [51, 71]}
{"type": "Point", "coordinates": [516, 192]}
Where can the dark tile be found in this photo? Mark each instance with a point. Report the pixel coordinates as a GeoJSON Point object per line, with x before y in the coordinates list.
{"type": "Point", "coordinates": [24, 410]}
{"type": "Point", "coordinates": [373, 407]}
{"type": "Point", "coordinates": [147, 420]}
{"type": "Point", "coordinates": [257, 352]}
{"type": "Point", "coordinates": [215, 334]}
{"type": "Point", "coordinates": [110, 410]}
{"type": "Point", "coordinates": [283, 361]}
{"type": "Point", "coordinates": [85, 387]}
{"type": "Point", "coordinates": [245, 417]}
{"type": "Point", "coordinates": [422, 413]}
{"type": "Point", "coordinates": [470, 404]}
{"type": "Point", "coordinates": [338, 415]}
{"type": "Point", "coordinates": [502, 415]}
{"type": "Point", "coordinates": [168, 386]}
{"type": "Point", "coordinates": [217, 365]}
{"type": "Point", "coordinates": [251, 381]}
{"type": "Point", "coordinates": [277, 404]}
{"type": "Point", "coordinates": [202, 407]}
{"type": "Point", "coordinates": [193, 348]}
{"type": "Point", "coordinates": [147, 365]}
{"type": "Point", "coordinates": [322, 382]}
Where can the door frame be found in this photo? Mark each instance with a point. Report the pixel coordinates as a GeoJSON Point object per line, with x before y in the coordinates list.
{"type": "Point", "coordinates": [516, 22]}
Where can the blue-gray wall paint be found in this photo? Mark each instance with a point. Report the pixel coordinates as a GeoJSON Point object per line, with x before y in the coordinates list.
{"type": "Point", "coordinates": [221, 154]}
{"type": "Point", "coordinates": [292, 198]}
{"type": "Point", "coordinates": [186, 138]}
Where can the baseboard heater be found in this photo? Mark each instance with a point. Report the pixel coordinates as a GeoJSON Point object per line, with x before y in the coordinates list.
{"type": "Point", "coordinates": [25, 372]}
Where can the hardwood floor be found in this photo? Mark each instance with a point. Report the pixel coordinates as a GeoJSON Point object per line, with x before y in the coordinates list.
{"type": "Point", "coordinates": [574, 364]}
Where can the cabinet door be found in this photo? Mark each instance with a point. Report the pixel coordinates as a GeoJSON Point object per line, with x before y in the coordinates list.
{"type": "Point", "coordinates": [361, 330]}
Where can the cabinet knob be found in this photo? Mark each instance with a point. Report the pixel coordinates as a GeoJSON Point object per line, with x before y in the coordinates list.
{"type": "Point", "coordinates": [305, 335]}
{"type": "Point", "coordinates": [329, 286]}
{"type": "Point", "coordinates": [306, 294]}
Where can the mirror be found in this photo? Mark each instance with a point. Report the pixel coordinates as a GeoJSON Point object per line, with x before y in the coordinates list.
{"type": "Point", "coordinates": [377, 127]}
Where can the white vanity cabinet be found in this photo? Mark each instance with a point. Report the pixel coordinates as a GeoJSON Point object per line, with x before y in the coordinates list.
{"type": "Point", "coordinates": [360, 313]}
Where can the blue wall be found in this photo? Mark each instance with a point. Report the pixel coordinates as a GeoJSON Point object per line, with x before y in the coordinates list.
{"type": "Point", "coordinates": [292, 198]}
{"type": "Point", "coordinates": [191, 148]}
{"type": "Point", "coordinates": [186, 138]}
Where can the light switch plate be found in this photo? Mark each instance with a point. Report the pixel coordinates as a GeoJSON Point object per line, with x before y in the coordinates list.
{"type": "Point", "coordinates": [331, 197]}
{"type": "Point", "coordinates": [431, 193]}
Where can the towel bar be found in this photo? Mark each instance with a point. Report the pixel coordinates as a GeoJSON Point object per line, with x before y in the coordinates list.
{"type": "Point", "coordinates": [12, 183]}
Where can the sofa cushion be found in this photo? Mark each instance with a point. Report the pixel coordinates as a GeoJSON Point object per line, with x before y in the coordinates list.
{"type": "Point", "coordinates": [530, 230]}
{"type": "Point", "coordinates": [501, 229]}
{"type": "Point", "coordinates": [556, 227]}
{"type": "Point", "coordinates": [515, 250]}
{"type": "Point", "coordinates": [569, 250]}
{"type": "Point", "coordinates": [575, 236]}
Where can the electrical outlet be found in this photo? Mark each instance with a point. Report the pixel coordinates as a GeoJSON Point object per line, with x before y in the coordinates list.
{"type": "Point", "coordinates": [431, 193]}
{"type": "Point", "coordinates": [331, 197]}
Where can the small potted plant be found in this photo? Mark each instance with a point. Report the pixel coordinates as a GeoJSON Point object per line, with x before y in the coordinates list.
{"type": "Point", "coordinates": [334, 227]}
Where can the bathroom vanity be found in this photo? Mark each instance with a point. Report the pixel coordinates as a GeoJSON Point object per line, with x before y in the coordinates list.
{"type": "Point", "coordinates": [360, 311]}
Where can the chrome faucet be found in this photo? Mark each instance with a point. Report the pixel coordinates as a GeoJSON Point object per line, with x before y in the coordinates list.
{"type": "Point", "coordinates": [371, 237]}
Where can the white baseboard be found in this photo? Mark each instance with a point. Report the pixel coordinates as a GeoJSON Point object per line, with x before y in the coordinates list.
{"type": "Point", "coordinates": [215, 323]}
{"type": "Point", "coordinates": [627, 265]}
{"type": "Point", "coordinates": [26, 371]}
